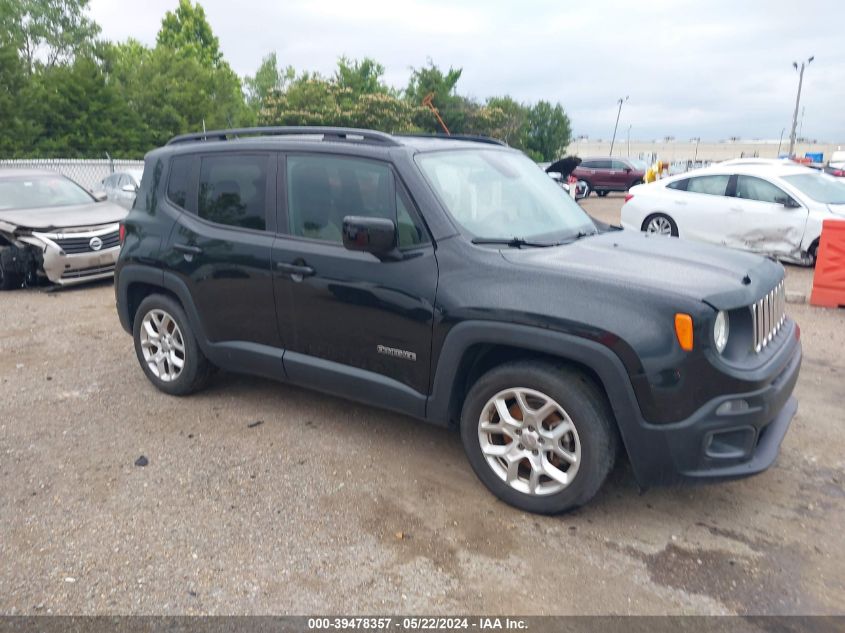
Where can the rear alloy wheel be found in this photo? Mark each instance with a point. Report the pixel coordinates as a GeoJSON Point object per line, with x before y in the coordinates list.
{"type": "Point", "coordinates": [660, 224]}
{"type": "Point", "coordinates": [539, 435]}
{"type": "Point", "coordinates": [167, 349]}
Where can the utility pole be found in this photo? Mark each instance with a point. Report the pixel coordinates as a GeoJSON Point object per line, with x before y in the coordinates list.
{"type": "Point", "coordinates": [697, 140]}
{"type": "Point", "coordinates": [780, 142]}
{"type": "Point", "coordinates": [629, 141]}
{"type": "Point", "coordinates": [619, 112]}
{"type": "Point", "coordinates": [797, 101]}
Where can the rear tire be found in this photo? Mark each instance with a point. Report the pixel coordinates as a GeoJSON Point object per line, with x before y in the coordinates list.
{"type": "Point", "coordinates": [602, 194]}
{"type": "Point", "coordinates": [558, 425]}
{"type": "Point", "coordinates": [660, 224]}
{"type": "Point", "coordinates": [167, 348]}
{"type": "Point", "coordinates": [584, 187]}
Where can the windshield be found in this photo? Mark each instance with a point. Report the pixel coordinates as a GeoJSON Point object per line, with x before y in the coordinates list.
{"type": "Point", "coordinates": [41, 191]}
{"type": "Point", "coordinates": [819, 187]}
{"type": "Point", "coordinates": [495, 194]}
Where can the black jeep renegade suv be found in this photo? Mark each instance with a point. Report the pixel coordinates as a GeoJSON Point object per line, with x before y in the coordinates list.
{"type": "Point", "coordinates": [453, 281]}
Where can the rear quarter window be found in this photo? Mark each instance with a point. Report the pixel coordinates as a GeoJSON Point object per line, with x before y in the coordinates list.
{"type": "Point", "coordinates": [178, 182]}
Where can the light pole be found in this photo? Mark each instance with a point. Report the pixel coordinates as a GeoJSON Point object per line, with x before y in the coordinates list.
{"type": "Point", "coordinates": [697, 140]}
{"type": "Point", "coordinates": [619, 112]}
{"type": "Point", "coordinates": [629, 141]}
{"type": "Point", "coordinates": [797, 101]}
{"type": "Point", "coordinates": [780, 142]}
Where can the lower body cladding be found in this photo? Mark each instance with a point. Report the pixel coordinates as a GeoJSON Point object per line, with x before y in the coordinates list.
{"type": "Point", "coordinates": [732, 436]}
{"type": "Point", "coordinates": [68, 257]}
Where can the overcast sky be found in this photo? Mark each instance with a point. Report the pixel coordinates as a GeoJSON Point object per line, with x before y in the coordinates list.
{"type": "Point", "coordinates": [713, 68]}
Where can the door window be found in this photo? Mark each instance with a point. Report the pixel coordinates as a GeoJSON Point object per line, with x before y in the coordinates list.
{"type": "Point", "coordinates": [619, 165]}
{"type": "Point", "coordinates": [178, 181]}
{"type": "Point", "coordinates": [713, 185]}
{"type": "Point", "coordinates": [751, 188]}
{"type": "Point", "coordinates": [323, 190]}
{"type": "Point", "coordinates": [601, 164]}
{"type": "Point", "coordinates": [233, 190]}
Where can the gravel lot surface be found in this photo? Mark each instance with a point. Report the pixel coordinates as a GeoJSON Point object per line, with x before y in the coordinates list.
{"type": "Point", "coordinates": [263, 498]}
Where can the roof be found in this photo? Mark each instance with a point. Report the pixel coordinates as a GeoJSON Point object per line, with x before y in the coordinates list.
{"type": "Point", "coordinates": [322, 134]}
{"type": "Point", "coordinates": [8, 174]}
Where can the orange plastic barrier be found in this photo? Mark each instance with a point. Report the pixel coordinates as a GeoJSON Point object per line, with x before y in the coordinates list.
{"type": "Point", "coordinates": [829, 278]}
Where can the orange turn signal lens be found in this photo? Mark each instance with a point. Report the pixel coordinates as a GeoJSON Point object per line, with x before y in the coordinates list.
{"type": "Point", "coordinates": [683, 330]}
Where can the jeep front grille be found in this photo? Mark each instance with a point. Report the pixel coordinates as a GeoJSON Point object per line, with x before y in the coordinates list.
{"type": "Point", "coordinates": [768, 316]}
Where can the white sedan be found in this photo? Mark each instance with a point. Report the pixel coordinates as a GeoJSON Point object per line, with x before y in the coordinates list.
{"type": "Point", "coordinates": [774, 210]}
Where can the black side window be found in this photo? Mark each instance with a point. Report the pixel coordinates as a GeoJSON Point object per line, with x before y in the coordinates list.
{"type": "Point", "coordinates": [408, 226]}
{"type": "Point", "coordinates": [322, 190]}
{"type": "Point", "coordinates": [680, 185]}
{"type": "Point", "coordinates": [179, 180]}
{"type": "Point", "coordinates": [233, 189]}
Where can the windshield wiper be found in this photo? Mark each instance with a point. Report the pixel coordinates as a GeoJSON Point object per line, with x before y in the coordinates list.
{"type": "Point", "coordinates": [513, 242]}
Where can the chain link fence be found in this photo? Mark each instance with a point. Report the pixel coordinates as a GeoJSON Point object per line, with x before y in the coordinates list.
{"type": "Point", "coordinates": [87, 172]}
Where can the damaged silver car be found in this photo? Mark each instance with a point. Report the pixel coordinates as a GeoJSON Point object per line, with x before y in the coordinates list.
{"type": "Point", "coordinates": [53, 230]}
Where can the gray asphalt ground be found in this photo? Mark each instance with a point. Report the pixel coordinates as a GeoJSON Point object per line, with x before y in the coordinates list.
{"type": "Point", "coordinates": [264, 498]}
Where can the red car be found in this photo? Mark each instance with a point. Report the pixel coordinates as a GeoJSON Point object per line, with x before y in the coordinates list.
{"type": "Point", "coordinates": [604, 174]}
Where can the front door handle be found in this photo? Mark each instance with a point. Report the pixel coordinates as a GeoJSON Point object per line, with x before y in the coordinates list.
{"type": "Point", "coordinates": [296, 271]}
{"type": "Point", "coordinates": [188, 249]}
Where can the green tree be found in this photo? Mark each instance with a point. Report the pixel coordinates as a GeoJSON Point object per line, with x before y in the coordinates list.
{"type": "Point", "coordinates": [77, 113]}
{"type": "Point", "coordinates": [187, 32]}
{"type": "Point", "coordinates": [48, 31]}
{"type": "Point", "coordinates": [430, 80]}
{"type": "Point", "coordinates": [14, 99]}
{"type": "Point", "coordinates": [361, 77]}
{"type": "Point", "coordinates": [268, 79]}
{"type": "Point", "coordinates": [548, 131]}
{"type": "Point", "coordinates": [514, 120]}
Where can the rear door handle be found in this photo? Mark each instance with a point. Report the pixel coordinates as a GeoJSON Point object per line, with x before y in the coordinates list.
{"type": "Point", "coordinates": [188, 249]}
{"type": "Point", "coordinates": [296, 271]}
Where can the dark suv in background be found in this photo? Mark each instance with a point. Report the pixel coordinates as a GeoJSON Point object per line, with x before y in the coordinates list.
{"type": "Point", "coordinates": [604, 174]}
{"type": "Point", "coordinates": [451, 280]}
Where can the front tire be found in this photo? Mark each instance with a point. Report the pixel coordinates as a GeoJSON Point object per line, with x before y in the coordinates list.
{"type": "Point", "coordinates": [660, 224]}
{"type": "Point", "coordinates": [9, 280]}
{"type": "Point", "coordinates": [540, 436]}
{"type": "Point", "coordinates": [167, 348]}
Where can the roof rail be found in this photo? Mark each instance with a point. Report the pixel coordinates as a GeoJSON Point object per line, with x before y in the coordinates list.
{"type": "Point", "coordinates": [461, 137]}
{"type": "Point", "coordinates": [328, 133]}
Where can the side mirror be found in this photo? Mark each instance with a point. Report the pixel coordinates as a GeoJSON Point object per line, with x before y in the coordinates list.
{"type": "Point", "coordinates": [788, 202]}
{"type": "Point", "coordinates": [130, 188]}
{"type": "Point", "coordinates": [627, 170]}
{"type": "Point", "coordinates": [99, 196]}
{"type": "Point", "coordinates": [371, 235]}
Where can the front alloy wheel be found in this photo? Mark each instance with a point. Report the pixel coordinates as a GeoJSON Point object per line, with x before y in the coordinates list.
{"type": "Point", "coordinates": [529, 441]}
{"type": "Point", "coordinates": [539, 434]}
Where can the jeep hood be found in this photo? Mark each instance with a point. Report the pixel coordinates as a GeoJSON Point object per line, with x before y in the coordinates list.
{"type": "Point", "coordinates": [723, 277]}
{"type": "Point", "coordinates": [51, 218]}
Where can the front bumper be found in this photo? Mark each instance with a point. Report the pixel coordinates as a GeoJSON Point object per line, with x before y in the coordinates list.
{"type": "Point", "coordinates": [85, 263]}
{"type": "Point", "coordinates": [735, 435]}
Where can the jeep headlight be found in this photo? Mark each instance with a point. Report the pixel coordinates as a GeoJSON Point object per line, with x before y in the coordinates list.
{"type": "Point", "coordinates": [721, 330]}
